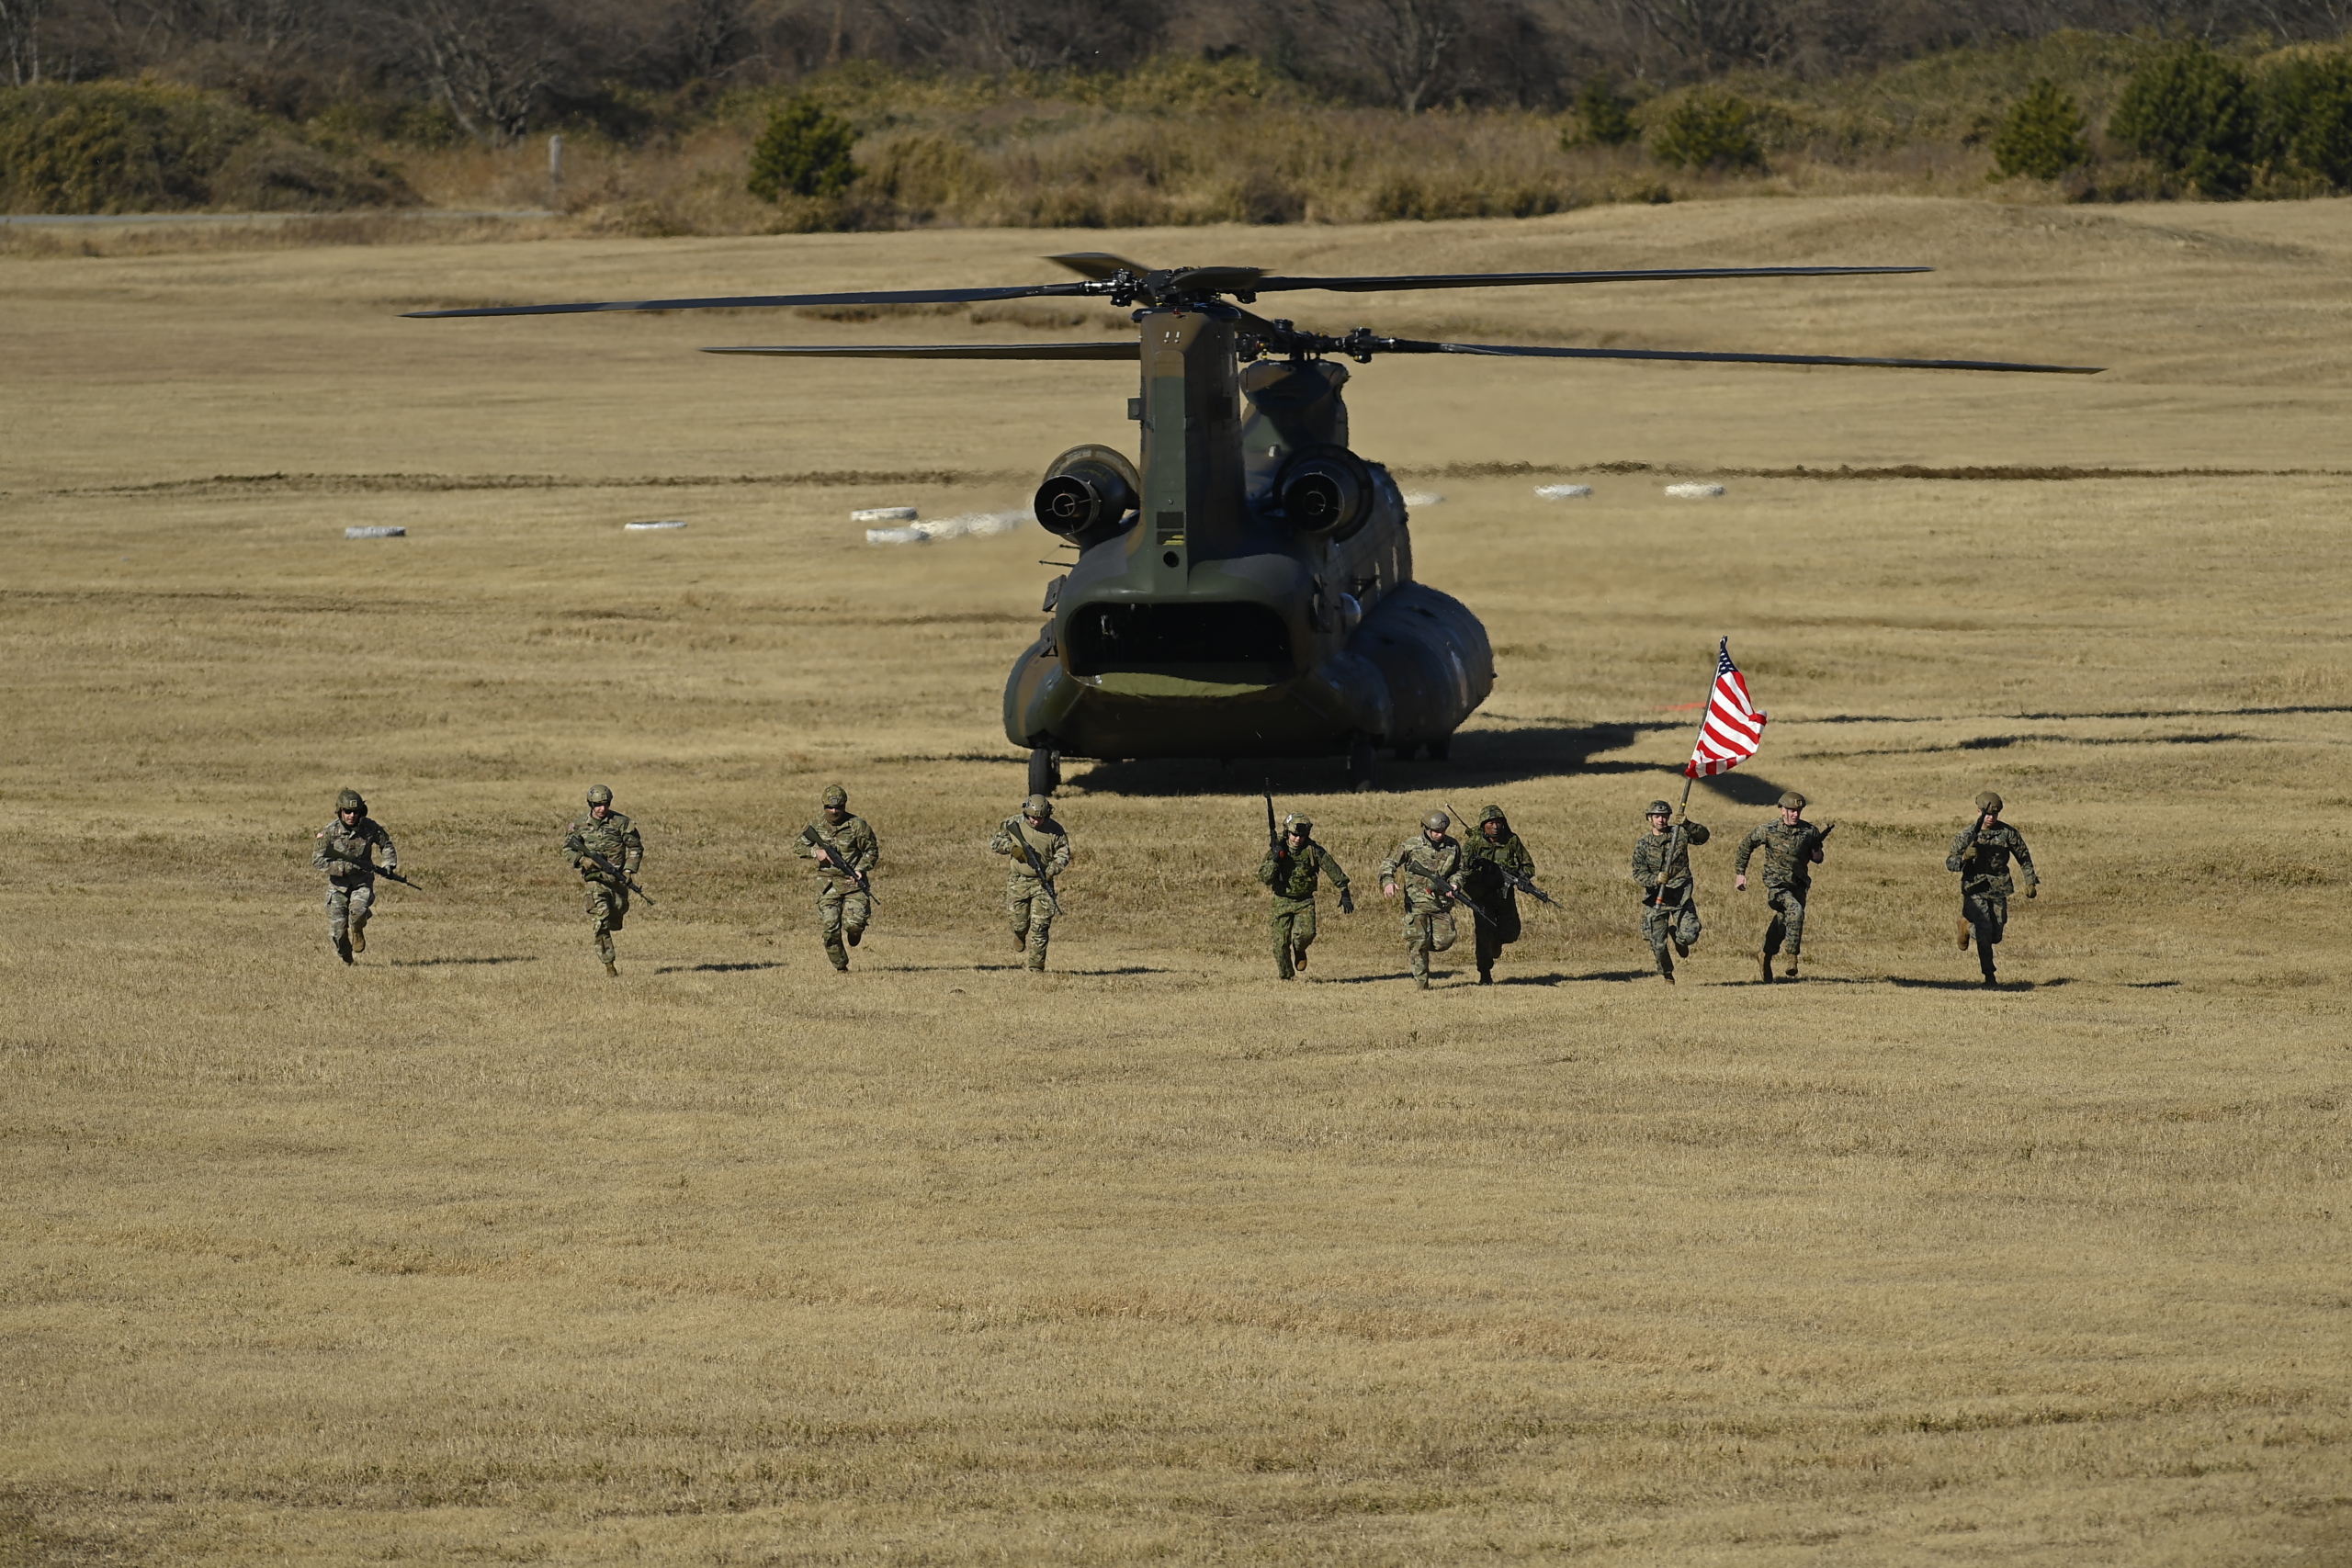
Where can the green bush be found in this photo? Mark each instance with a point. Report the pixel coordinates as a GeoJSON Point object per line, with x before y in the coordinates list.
{"type": "Point", "coordinates": [2191, 114]}
{"type": "Point", "coordinates": [114, 147]}
{"type": "Point", "coordinates": [2042, 136]}
{"type": "Point", "coordinates": [1709, 129]}
{"type": "Point", "coordinates": [1602, 119]}
{"type": "Point", "coordinates": [805, 152]}
{"type": "Point", "coordinates": [2306, 112]}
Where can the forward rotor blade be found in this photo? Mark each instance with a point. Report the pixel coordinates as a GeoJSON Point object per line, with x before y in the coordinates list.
{"type": "Point", "coordinates": [758, 301]}
{"type": "Point", "coordinates": [1408, 346]}
{"type": "Point", "coordinates": [1097, 265]}
{"type": "Point", "coordinates": [1127, 350]}
{"type": "Point", "coordinates": [1514, 279]}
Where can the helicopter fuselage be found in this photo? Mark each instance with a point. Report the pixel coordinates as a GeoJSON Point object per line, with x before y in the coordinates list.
{"type": "Point", "coordinates": [1256, 599]}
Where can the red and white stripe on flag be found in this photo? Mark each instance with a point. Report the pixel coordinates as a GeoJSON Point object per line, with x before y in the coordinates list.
{"type": "Point", "coordinates": [1734, 727]}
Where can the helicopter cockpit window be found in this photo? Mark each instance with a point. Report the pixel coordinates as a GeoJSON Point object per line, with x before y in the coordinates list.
{"type": "Point", "coordinates": [1106, 639]}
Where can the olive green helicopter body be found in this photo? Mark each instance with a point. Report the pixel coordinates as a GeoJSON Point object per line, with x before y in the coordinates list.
{"type": "Point", "coordinates": [1244, 586]}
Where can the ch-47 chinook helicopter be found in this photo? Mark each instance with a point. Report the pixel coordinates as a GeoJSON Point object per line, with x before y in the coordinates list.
{"type": "Point", "coordinates": [1245, 588]}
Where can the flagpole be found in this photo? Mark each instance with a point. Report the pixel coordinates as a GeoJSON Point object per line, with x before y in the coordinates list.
{"type": "Point", "coordinates": [1690, 777]}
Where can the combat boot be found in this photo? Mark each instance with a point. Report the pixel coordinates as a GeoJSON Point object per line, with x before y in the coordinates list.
{"type": "Point", "coordinates": [342, 947]}
{"type": "Point", "coordinates": [853, 932]}
{"type": "Point", "coordinates": [1792, 970]}
{"type": "Point", "coordinates": [1485, 977]}
{"type": "Point", "coordinates": [612, 970]}
{"type": "Point", "coordinates": [359, 937]}
{"type": "Point", "coordinates": [1990, 983]}
{"type": "Point", "coordinates": [1964, 936]}
{"type": "Point", "coordinates": [1681, 947]}
{"type": "Point", "coordinates": [1764, 967]}
{"type": "Point", "coordinates": [1420, 982]}
{"type": "Point", "coordinates": [1298, 959]}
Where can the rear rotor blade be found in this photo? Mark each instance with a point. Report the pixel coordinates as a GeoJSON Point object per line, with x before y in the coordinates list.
{"type": "Point", "coordinates": [1513, 279]}
{"type": "Point", "coordinates": [1408, 346]}
{"type": "Point", "coordinates": [755, 302]}
{"type": "Point", "coordinates": [1127, 350]}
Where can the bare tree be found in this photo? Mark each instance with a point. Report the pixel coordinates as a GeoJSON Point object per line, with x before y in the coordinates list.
{"type": "Point", "coordinates": [1709, 35]}
{"type": "Point", "coordinates": [1414, 46]}
{"type": "Point", "coordinates": [1028, 35]}
{"type": "Point", "coordinates": [488, 61]}
{"type": "Point", "coordinates": [20, 22]}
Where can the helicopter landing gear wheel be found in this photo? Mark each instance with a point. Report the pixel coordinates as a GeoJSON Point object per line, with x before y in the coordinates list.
{"type": "Point", "coordinates": [1439, 749]}
{"type": "Point", "coordinates": [1359, 765]}
{"type": "Point", "coordinates": [1045, 771]}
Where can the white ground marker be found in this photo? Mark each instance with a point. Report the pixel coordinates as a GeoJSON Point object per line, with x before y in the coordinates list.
{"type": "Point", "coordinates": [1562, 492]}
{"type": "Point", "coordinates": [376, 533]}
{"type": "Point", "coordinates": [645, 528]}
{"type": "Point", "coordinates": [883, 515]}
{"type": "Point", "coordinates": [1693, 491]}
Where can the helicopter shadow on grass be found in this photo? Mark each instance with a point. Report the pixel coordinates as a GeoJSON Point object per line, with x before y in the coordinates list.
{"type": "Point", "coordinates": [442, 963]}
{"type": "Point", "coordinates": [1481, 759]}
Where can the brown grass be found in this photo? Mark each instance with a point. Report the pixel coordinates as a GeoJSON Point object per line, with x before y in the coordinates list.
{"type": "Point", "coordinates": [471, 1254]}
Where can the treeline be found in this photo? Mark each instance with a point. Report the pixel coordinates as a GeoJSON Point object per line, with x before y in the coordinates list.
{"type": "Point", "coordinates": [806, 116]}
{"type": "Point", "coordinates": [496, 70]}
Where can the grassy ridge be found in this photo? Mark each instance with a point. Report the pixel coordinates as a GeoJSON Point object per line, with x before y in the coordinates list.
{"type": "Point", "coordinates": [1175, 142]}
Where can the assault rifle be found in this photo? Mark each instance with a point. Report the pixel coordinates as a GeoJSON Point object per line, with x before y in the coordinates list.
{"type": "Point", "coordinates": [1510, 878]}
{"type": "Point", "coordinates": [855, 875]}
{"type": "Point", "coordinates": [383, 871]}
{"type": "Point", "coordinates": [1036, 866]}
{"type": "Point", "coordinates": [614, 874]}
{"type": "Point", "coordinates": [1452, 891]}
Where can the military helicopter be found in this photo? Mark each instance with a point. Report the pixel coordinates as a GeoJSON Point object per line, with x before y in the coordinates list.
{"type": "Point", "coordinates": [1245, 587]}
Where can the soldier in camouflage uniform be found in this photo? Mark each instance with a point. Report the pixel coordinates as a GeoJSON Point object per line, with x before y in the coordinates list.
{"type": "Point", "coordinates": [1418, 865]}
{"type": "Point", "coordinates": [1669, 898]}
{"type": "Point", "coordinates": [834, 841]}
{"type": "Point", "coordinates": [1494, 844]}
{"type": "Point", "coordinates": [1027, 898]}
{"type": "Point", "coordinates": [607, 833]}
{"type": "Point", "coordinates": [345, 851]}
{"type": "Point", "coordinates": [1982, 854]}
{"type": "Point", "coordinates": [1791, 848]}
{"type": "Point", "coordinates": [1292, 871]}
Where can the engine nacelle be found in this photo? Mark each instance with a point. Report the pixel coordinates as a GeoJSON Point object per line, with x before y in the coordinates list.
{"type": "Point", "coordinates": [1090, 495]}
{"type": "Point", "coordinates": [1324, 492]}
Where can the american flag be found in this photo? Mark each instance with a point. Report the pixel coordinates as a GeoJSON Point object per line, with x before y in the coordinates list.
{"type": "Point", "coordinates": [1734, 727]}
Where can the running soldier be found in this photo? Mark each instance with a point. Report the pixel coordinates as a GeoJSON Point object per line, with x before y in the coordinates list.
{"type": "Point", "coordinates": [842, 850]}
{"type": "Point", "coordinates": [1982, 854]}
{"type": "Point", "coordinates": [1419, 865]}
{"type": "Point", "coordinates": [1292, 871]}
{"type": "Point", "coordinates": [607, 836]}
{"type": "Point", "coordinates": [1791, 848]}
{"type": "Point", "coordinates": [1669, 898]}
{"type": "Point", "coordinates": [1492, 847]}
{"type": "Point", "coordinates": [345, 851]}
{"type": "Point", "coordinates": [1040, 852]}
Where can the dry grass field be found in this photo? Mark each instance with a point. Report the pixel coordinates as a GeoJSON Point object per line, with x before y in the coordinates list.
{"type": "Point", "coordinates": [470, 1254]}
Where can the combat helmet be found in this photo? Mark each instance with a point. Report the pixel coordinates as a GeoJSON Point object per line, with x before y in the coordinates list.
{"type": "Point", "coordinates": [1036, 806]}
{"type": "Point", "coordinates": [1659, 809]}
{"type": "Point", "coordinates": [1437, 822]}
{"type": "Point", "coordinates": [835, 797]}
{"type": "Point", "coordinates": [1990, 802]}
{"type": "Point", "coordinates": [1303, 825]}
{"type": "Point", "coordinates": [600, 795]}
{"type": "Point", "coordinates": [351, 800]}
{"type": "Point", "coordinates": [1493, 814]}
{"type": "Point", "coordinates": [1791, 801]}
